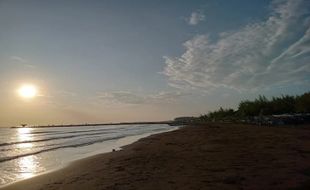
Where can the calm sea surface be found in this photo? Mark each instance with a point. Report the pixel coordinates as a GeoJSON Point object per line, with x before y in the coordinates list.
{"type": "Point", "coordinates": [26, 152]}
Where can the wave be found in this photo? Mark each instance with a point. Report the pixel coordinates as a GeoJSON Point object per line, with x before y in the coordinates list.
{"type": "Point", "coordinates": [52, 138]}
{"type": "Point", "coordinates": [5, 159]}
{"type": "Point", "coordinates": [69, 132]}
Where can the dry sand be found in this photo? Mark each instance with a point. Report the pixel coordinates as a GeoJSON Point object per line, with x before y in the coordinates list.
{"type": "Point", "coordinates": [215, 156]}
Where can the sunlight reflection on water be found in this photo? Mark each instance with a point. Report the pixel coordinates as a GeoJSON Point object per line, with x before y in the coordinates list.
{"type": "Point", "coordinates": [24, 145]}
{"type": "Point", "coordinates": [24, 134]}
{"type": "Point", "coordinates": [28, 166]}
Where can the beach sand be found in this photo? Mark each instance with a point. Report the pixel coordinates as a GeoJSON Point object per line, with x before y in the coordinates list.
{"type": "Point", "coordinates": [214, 156]}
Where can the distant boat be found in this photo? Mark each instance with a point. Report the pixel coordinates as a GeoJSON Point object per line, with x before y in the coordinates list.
{"type": "Point", "coordinates": [23, 125]}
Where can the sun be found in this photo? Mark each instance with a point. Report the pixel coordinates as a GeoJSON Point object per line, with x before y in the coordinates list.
{"type": "Point", "coordinates": [27, 91]}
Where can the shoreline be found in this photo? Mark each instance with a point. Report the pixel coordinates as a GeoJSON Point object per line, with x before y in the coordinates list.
{"type": "Point", "coordinates": [216, 156]}
{"type": "Point", "coordinates": [117, 146]}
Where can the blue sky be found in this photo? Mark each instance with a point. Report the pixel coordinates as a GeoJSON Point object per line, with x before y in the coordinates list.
{"type": "Point", "coordinates": [105, 61]}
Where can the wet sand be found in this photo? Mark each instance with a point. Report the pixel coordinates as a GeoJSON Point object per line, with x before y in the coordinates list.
{"type": "Point", "coordinates": [215, 156]}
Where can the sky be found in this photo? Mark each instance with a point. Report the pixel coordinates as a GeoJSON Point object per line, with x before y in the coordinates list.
{"type": "Point", "coordinates": [147, 60]}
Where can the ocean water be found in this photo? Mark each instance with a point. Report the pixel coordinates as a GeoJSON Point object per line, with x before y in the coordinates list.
{"type": "Point", "coordinates": [26, 152]}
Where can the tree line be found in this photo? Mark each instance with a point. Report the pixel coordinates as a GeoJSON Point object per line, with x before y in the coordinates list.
{"type": "Point", "coordinates": [262, 106]}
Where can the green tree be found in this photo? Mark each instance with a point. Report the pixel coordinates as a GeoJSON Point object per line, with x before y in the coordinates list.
{"type": "Point", "coordinates": [303, 103]}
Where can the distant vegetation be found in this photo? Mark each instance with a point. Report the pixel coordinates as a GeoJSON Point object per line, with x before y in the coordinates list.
{"type": "Point", "coordinates": [260, 107]}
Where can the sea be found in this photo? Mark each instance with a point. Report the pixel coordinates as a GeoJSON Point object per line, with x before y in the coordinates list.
{"type": "Point", "coordinates": [27, 152]}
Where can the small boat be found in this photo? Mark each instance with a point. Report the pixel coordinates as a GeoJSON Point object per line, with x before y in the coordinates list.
{"type": "Point", "coordinates": [23, 125]}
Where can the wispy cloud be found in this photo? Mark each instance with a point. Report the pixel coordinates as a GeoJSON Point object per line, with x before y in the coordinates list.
{"type": "Point", "coordinates": [123, 97]}
{"type": "Point", "coordinates": [195, 18]}
{"type": "Point", "coordinates": [21, 61]}
{"type": "Point", "coordinates": [164, 97]}
{"type": "Point", "coordinates": [65, 93]}
{"type": "Point", "coordinates": [130, 98]}
{"type": "Point", "coordinates": [258, 55]}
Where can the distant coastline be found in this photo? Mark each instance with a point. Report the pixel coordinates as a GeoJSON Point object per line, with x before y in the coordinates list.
{"type": "Point", "coordinates": [98, 124]}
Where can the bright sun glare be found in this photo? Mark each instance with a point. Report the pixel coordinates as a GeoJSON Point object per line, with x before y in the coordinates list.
{"type": "Point", "coordinates": [27, 91]}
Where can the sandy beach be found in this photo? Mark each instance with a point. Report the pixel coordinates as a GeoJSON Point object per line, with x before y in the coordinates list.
{"type": "Point", "coordinates": [215, 156]}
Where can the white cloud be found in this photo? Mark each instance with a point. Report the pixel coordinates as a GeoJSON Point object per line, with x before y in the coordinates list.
{"type": "Point", "coordinates": [195, 18]}
{"type": "Point", "coordinates": [258, 55]}
{"type": "Point", "coordinates": [130, 98]}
